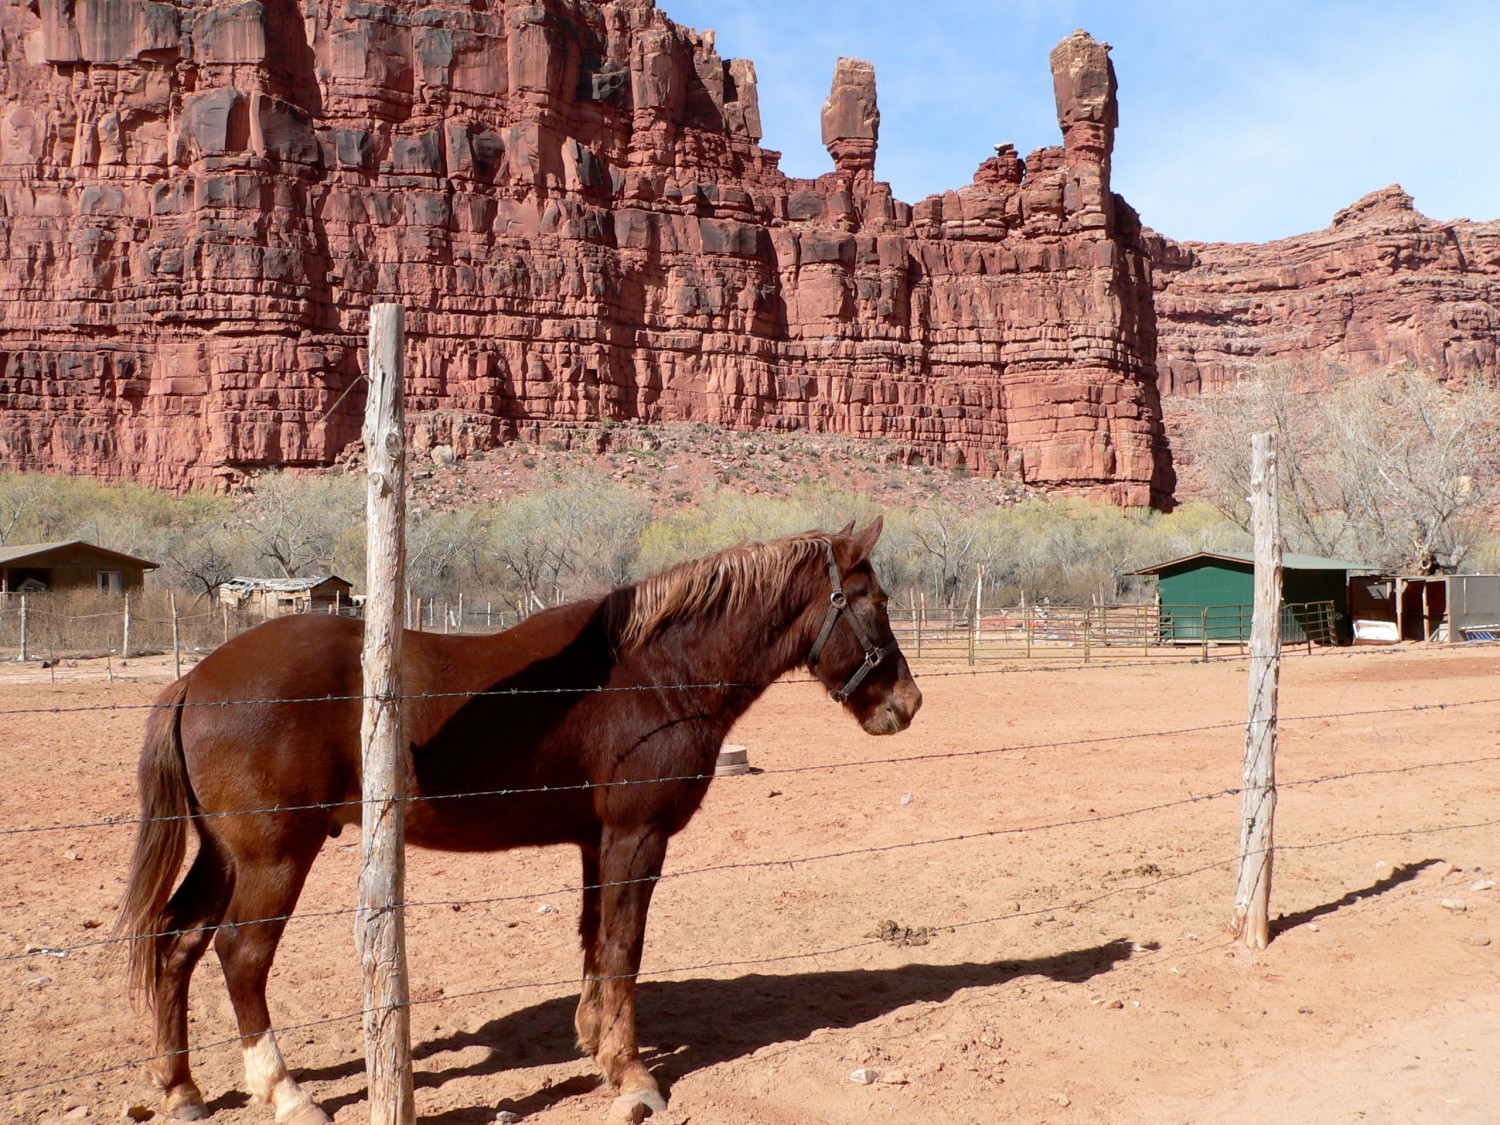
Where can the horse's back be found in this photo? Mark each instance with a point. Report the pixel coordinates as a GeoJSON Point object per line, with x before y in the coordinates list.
{"type": "Point", "coordinates": [271, 717]}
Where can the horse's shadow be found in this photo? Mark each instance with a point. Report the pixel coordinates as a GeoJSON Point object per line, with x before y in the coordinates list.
{"type": "Point", "coordinates": [715, 1021]}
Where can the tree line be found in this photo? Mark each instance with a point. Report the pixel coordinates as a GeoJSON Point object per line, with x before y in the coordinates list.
{"type": "Point", "coordinates": [1393, 469]}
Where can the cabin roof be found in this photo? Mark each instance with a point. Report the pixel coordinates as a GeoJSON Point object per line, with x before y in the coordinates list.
{"type": "Point", "coordinates": [281, 585]}
{"type": "Point", "coordinates": [23, 551]}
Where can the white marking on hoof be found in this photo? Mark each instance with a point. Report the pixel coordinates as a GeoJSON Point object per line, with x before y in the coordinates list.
{"type": "Point", "coordinates": [636, 1106]}
{"type": "Point", "coordinates": [185, 1103]}
{"type": "Point", "coordinates": [309, 1115]}
{"type": "Point", "coordinates": [267, 1078]}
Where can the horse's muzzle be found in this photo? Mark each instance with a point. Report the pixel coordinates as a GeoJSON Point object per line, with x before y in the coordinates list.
{"type": "Point", "coordinates": [895, 713]}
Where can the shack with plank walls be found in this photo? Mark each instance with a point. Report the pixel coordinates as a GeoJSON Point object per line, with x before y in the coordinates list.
{"type": "Point", "coordinates": [36, 568]}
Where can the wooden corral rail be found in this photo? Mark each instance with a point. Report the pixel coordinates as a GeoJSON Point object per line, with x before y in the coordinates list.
{"type": "Point", "coordinates": [1102, 631]}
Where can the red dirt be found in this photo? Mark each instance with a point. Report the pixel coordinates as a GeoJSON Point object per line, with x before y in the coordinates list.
{"type": "Point", "coordinates": [1374, 1003]}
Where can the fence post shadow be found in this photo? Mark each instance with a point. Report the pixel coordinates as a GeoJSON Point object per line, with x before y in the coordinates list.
{"type": "Point", "coordinates": [1404, 873]}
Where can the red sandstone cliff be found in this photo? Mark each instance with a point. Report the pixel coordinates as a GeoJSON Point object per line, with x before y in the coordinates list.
{"type": "Point", "coordinates": [201, 199]}
{"type": "Point", "coordinates": [1382, 284]}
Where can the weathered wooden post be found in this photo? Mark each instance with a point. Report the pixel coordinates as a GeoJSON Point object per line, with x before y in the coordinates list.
{"type": "Point", "coordinates": [176, 644]}
{"type": "Point", "coordinates": [978, 607]}
{"type": "Point", "coordinates": [125, 641]}
{"type": "Point", "coordinates": [380, 925]}
{"type": "Point", "coordinates": [25, 653]}
{"type": "Point", "coordinates": [1252, 897]}
{"type": "Point", "coordinates": [1088, 613]}
{"type": "Point", "coordinates": [1026, 620]}
{"type": "Point", "coordinates": [1203, 632]}
{"type": "Point", "coordinates": [921, 612]}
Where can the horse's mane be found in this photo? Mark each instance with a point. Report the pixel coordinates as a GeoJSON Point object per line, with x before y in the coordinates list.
{"type": "Point", "coordinates": [728, 582]}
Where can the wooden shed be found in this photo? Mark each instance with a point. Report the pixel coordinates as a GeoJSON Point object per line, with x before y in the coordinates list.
{"type": "Point", "coordinates": [1437, 607]}
{"type": "Point", "coordinates": [69, 565]}
{"type": "Point", "coordinates": [277, 597]}
{"type": "Point", "coordinates": [1212, 594]}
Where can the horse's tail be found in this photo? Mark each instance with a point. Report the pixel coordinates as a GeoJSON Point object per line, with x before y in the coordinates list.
{"type": "Point", "coordinates": [160, 842]}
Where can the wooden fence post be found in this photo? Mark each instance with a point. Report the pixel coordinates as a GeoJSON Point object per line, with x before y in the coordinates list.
{"type": "Point", "coordinates": [978, 608]}
{"type": "Point", "coordinates": [25, 655]}
{"type": "Point", "coordinates": [125, 641]}
{"type": "Point", "coordinates": [1026, 617]}
{"type": "Point", "coordinates": [380, 924]}
{"type": "Point", "coordinates": [1088, 613]}
{"type": "Point", "coordinates": [921, 612]}
{"type": "Point", "coordinates": [176, 645]}
{"type": "Point", "coordinates": [1252, 897]}
{"type": "Point", "coordinates": [1203, 632]}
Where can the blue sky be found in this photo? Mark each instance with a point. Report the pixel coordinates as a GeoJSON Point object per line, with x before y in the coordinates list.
{"type": "Point", "coordinates": [1238, 121]}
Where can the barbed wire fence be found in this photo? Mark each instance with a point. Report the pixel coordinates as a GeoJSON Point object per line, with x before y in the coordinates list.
{"type": "Point", "coordinates": [65, 952]}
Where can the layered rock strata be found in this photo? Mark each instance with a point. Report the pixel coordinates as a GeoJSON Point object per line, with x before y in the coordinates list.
{"type": "Point", "coordinates": [200, 201]}
{"type": "Point", "coordinates": [1383, 284]}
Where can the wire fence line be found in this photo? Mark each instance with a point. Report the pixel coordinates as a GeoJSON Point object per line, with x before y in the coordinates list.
{"type": "Point", "coordinates": [1191, 799]}
{"type": "Point", "coordinates": [902, 759]}
{"type": "Point", "coordinates": [1072, 905]}
{"type": "Point", "coordinates": [789, 861]}
{"type": "Point", "coordinates": [86, 623]}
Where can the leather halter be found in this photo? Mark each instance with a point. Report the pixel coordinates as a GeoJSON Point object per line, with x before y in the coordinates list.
{"type": "Point", "coordinates": [838, 606]}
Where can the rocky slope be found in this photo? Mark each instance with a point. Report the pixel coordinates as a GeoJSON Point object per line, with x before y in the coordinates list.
{"type": "Point", "coordinates": [1382, 284]}
{"type": "Point", "coordinates": [201, 199]}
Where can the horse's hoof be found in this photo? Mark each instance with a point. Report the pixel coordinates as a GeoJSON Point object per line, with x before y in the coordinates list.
{"type": "Point", "coordinates": [184, 1104]}
{"type": "Point", "coordinates": [308, 1115]}
{"type": "Point", "coordinates": [636, 1106]}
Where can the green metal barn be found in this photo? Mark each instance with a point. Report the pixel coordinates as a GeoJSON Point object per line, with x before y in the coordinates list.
{"type": "Point", "coordinates": [1210, 596]}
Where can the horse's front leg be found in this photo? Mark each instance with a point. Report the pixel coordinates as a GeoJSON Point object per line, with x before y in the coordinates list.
{"type": "Point", "coordinates": [629, 865]}
{"type": "Point", "coordinates": [587, 1019]}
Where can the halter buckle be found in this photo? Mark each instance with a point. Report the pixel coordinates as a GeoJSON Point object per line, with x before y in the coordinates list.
{"type": "Point", "coordinates": [838, 599]}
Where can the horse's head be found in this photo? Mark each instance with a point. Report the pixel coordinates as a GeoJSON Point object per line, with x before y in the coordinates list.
{"type": "Point", "coordinates": [855, 654]}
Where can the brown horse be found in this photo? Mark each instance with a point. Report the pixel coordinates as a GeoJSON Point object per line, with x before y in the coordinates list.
{"type": "Point", "coordinates": [486, 716]}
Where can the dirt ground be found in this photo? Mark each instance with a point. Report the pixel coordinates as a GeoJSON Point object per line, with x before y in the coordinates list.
{"type": "Point", "coordinates": [1077, 970]}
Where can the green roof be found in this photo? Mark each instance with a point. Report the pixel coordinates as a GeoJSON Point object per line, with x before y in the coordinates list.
{"type": "Point", "coordinates": [1289, 561]}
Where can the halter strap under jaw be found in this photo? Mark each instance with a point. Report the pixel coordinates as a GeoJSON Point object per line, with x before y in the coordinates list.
{"type": "Point", "coordinates": [838, 606]}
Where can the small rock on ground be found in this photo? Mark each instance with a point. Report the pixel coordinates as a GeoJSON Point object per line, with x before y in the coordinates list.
{"type": "Point", "coordinates": [863, 1075]}
{"type": "Point", "coordinates": [1455, 904]}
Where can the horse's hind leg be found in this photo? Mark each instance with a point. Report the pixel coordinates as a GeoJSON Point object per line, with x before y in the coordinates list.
{"type": "Point", "coordinates": [246, 948]}
{"type": "Point", "coordinates": [588, 1016]}
{"type": "Point", "coordinates": [630, 864]}
{"type": "Point", "coordinates": [194, 910]}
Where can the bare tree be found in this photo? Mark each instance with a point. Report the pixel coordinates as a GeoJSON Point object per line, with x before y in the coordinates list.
{"type": "Point", "coordinates": [1393, 465]}
{"type": "Point", "coordinates": [297, 525]}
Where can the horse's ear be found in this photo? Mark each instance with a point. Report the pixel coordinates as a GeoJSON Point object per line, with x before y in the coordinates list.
{"type": "Point", "coordinates": [847, 531]}
{"type": "Point", "coordinates": [864, 542]}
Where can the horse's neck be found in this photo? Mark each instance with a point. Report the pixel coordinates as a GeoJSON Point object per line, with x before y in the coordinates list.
{"type": "Point", "coordinates": [745, 650]}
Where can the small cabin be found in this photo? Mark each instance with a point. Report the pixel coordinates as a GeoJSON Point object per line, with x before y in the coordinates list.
{"type": "Point", "coordinates": [35, 568]}
{"type": "Point", "coordinates": [278, 597]}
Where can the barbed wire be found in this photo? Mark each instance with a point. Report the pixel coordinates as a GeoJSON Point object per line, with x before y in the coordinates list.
{"type": "Point", "coordinates": [56, 951]}
{"type": "Point", "coordinates": [938, 755]}
{"type": "Point", "coordinates": [1073, 905]}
